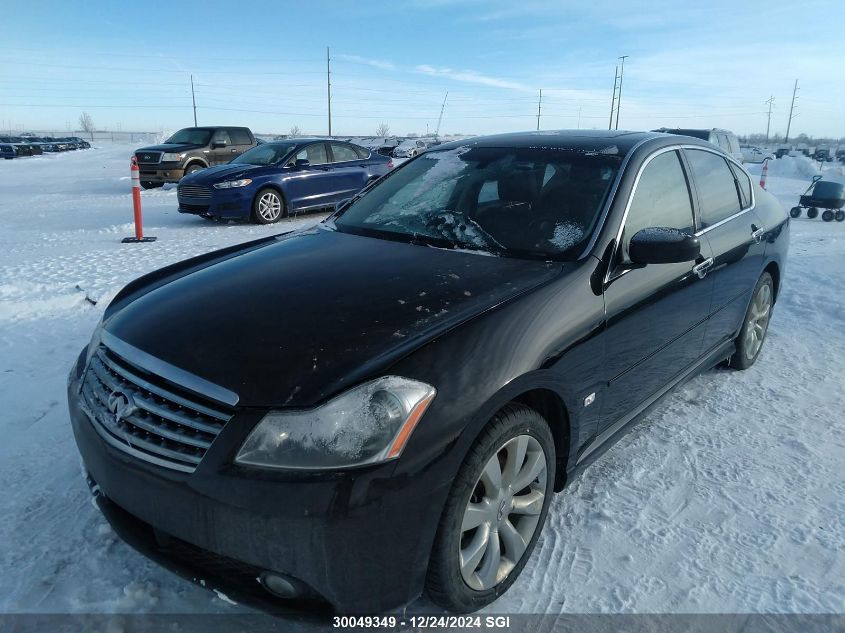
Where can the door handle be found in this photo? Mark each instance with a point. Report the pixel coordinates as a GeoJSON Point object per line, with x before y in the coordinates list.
{"type": "Point", "coordinates": [702, 268]}
{"type": "Point", "coordinates": [234, 151]}
{"type": "Point", "coordinates": [757, 234]}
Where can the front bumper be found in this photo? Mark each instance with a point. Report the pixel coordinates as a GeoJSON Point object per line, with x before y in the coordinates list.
{"type": "Point", "coordinates": [160, 172]}
{"type": "Point", "coordinates": [359, 540]}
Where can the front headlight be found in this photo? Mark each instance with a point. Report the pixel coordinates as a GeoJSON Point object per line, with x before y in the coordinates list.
{"type": "Point", "coordinates": [366, 425]}
{"type": "Point", "coordinates": [171, 158]}
{"type": "Point", "coordinates": [228, 184]}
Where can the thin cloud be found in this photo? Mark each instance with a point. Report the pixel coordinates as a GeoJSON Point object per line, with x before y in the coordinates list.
{"type": "Point", "coordinates": [468, 76]}
{"type": "Point", "coordinates": [383, 64]}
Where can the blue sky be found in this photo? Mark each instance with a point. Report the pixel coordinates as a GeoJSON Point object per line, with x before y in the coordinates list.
{"type": "Point", "coordinates": [691, 64]}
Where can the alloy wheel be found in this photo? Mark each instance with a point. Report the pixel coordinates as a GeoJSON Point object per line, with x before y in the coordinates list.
{"type": "Point", "coordinates": [269, 207]}
{"type": "Point", "coordinates": [503, 512]}
{"type": "Point", "coordinates": [758, 320]}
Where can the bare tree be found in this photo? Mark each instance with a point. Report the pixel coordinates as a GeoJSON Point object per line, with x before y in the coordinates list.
{"type": "Point", "coordinates": [295, 131]}
{"type": "Point", "coordinates": [87, 124]}
{"type": "Point", "coordinates": [383, 129]}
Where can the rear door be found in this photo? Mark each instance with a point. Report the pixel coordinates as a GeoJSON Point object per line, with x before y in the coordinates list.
{"type": "Point", "coordinates": [656, 314]}
{"type": "Point", "coordinates": [349, 171]}
{"type": "Point", "coordinates": [241, 141]}
{"type": "Point", "coordinates": [734, 232]}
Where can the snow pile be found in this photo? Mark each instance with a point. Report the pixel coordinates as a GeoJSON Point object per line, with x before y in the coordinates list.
{"type": "Point", "coordinates": [729, 497]}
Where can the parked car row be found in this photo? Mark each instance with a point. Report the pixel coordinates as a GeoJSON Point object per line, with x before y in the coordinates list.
{"type": "Point", "coordinates": [28, 145]}
{"type": "Point", "coordinates": [225, 173]}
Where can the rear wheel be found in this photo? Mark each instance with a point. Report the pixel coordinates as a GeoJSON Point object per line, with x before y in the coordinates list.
{"type": "Point", "coordinates": [268, 206]}
{"type": "Point", "coordinates": [495, 511]}
{"type": "Point", "coordinates": [827, 216]}
{"type": "Point", "coordinates": [795, 212]}
{"type": "Point", "coordinates": [812, 213]}
{"type": "Point", "coordinates": [839, 216]}
{"type": "Point", "coordinates": [756, 324]}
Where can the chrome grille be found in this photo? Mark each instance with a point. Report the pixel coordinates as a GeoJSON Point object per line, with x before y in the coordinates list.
{"type": "Point", "coordinates": [193, 191]}
{"type": "Point", "coordinates": [148, 157]}
{"type": "Point", "coordinates": [146, 419]}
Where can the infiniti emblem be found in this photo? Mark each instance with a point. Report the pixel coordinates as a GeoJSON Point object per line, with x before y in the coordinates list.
{"type": "Point", "coordinates": [121, 405]}
{"type": "Point", "coordinates": [501, 512]}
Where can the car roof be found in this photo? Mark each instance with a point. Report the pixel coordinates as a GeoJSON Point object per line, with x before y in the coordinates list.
{"type": "Point", "coordinates": [578, 140]}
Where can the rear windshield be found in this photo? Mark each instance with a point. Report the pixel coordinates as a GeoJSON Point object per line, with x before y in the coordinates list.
{"type": "Point", "coordinates": [265, 154]}
{"type": "Point", "coordinates": [194, 136]}
{"type": "Point", "coordinates": [522, 202]}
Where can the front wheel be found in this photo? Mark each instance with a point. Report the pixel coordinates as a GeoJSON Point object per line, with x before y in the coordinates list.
{"type": "Point", "coordinates": [494, 512]}
{"type": "Point", "coordinates": [268, 206]}
{"type": "Point", "coordinates": [839, 216]}
{"type": "Point", "coordinates": [756, 324]}
{"type": "Point", "coordinates": [795, 212]}
{"type": "Point", "coordinates": [827, 216]}
{"type": "Point", "coordinates": [194, 168]}
{"type": "Point", "coordinates": [812, 213]}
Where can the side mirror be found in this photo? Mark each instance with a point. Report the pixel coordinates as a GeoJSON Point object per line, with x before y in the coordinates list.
{"type": "Point", "coordinates": [218, 144]}
{"type": "Point", "coordinates": [663, 245]}
{"type": "Point", "coordinates": [302, 162]}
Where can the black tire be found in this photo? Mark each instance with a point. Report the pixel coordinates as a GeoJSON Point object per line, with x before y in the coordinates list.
{"type": "Point", "coordinates": [795, 212]}
{"type": "Point", "coordinates": [812, 213]}
{"type": "Point", "coordinates": [445, 584]}
{"type": "Point", "coordinates": [146, 184]}
{"type": "Point", "coordinates": [839, 216]}
{"type": "Point", "coordinates": [827, 215]}
{"type": "Point", "coordinates": [746, 351]}
{"type": "Point", "coordinates": [260, 214]}
{"type": "Point", "coordinates": [193, 168]}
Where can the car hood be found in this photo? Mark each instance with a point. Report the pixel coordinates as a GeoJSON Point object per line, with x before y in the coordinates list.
{"type": "Point", "coordinates": [295, 320]}
{"type": "Point", "coordinates": [219, 173]}
{"type": "Point", "coordinates": [169, 147]}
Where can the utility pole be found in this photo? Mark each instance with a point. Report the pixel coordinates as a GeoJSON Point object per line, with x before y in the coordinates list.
{"type": "Point", "coordinates": [329, 87]}
{"type": "Point", "coordinates": [194, 100]}
{"type": "Point", "coordinates": [770, 101]}
{"type": "Point", "coordinates": [579, 117]}
{"type": "Point", "coordinates": [791, 116]}
{"type": "Point", "coordinates": [440, 118]}
{"type": "Point", "coordinates": [613, 100]}
{"type": "Point", "coordinates": [619, 97]}
{"type": "Point", "coordinates": [539, 102]}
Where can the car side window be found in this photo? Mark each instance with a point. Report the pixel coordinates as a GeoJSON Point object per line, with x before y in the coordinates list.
{"type": "Point", "coordinates": [718, 197]}
{"type": "Point", "coordinates": [314, 154]}
{"type": "Point", "coordinates": [239, 136]}
{"type": "Point", "coordinates": [661, 198]}
{"type": "Point", "coordinates": [743, 182]}
{"type": "Point", "coordinates": [362, 152]}
{"type": "Point", "coordinates": [222, 136]}
{"type": "Point", "coordinates": [343, 153]}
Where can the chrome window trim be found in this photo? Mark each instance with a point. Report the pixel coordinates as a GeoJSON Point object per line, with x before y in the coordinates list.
{"type": "Point", "coordinates": [690, 176]}
{"type": "Point", "coordinates": [170, 372]}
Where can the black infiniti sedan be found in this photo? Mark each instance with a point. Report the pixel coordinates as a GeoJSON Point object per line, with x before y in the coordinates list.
{"type": "Point", "coordinates": [414, 377]}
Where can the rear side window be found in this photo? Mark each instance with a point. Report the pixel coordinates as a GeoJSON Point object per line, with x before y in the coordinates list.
{"type": "Point", "coordinates": [240, 136]}
{"type": "Point", "coordinates": [714, 181]}
{"type": "Point", "coordinates": [661, 199]}
{"type": "Point", "coordinates": [343, 153]}
{"type": "Point", "coordinates": [222, 136]}
{"type": "Point", "coordinates": [743, 183]}
{"type": "Point", "coordinates": [361, 151]}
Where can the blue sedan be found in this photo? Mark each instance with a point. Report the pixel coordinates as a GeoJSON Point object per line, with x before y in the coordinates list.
{"type": "Point", "coordinates": [276, 179]}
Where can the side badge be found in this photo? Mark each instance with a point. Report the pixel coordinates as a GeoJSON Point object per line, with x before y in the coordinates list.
{"type": "Point", "coordinates": [590, 399]}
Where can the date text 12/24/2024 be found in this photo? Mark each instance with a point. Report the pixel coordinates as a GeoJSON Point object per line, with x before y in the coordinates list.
{"type": "Point", "coordinates": [422, 622]}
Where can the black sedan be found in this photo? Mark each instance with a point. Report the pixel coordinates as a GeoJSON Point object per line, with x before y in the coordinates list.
{"type": "Point", "coordinates": [414, 377]}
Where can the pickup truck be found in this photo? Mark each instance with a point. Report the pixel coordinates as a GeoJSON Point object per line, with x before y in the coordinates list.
{"type": "Point", "coordinates": [190, 150]}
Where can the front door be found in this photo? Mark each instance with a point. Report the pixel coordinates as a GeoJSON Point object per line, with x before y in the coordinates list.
{"type": "Point", "coordinates": [656, 314]}
{"type": "Point", "coordinates": [221, 148]}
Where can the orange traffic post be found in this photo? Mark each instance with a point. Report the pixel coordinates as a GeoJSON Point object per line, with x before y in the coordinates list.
{"type": "Point", "coordinates": [136, 203]}
{"type": "Point", "coordinates": [764, 173]}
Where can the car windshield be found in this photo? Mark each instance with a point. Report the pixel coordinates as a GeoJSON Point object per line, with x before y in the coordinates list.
{"type": "Point", "coordinates": [523, 202]}
{"type": "Point", "coordinates": [193, 136]}
{"type": "Point", "coordinates": [267, 154]}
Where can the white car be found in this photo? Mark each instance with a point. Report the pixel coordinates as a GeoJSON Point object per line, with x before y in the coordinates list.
{"type": "Point", "coordinates": [409, 149]}
{"type": "Point", "coordinates": [755, 155]}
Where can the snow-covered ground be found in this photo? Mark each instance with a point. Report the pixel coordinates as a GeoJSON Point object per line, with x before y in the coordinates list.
{"type": "Point", "coordinates": [730, 497]}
